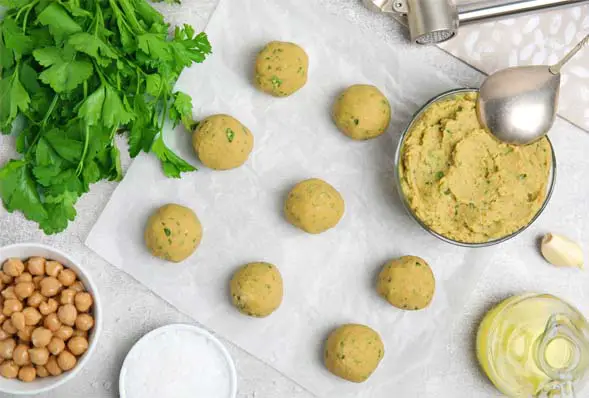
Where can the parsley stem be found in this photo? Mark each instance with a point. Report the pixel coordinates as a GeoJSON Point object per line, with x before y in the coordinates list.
{"type": "Point", "coordinates": [26, 18]}
{"type": "Point", "coordinates": [130, 15]}
{"type": "Point", "coordinates": [26, 9]}
{"type": "Point", "coordinates": [164, 113]}
{"type": "Point", "coordinates": [83, 157]}
{"type": "Point", "coordinates": [50, 110]}
{"type": "Point", "coordinates": [44, 122]}
{"type": "Point", "coordinates": [138, 81]}
{"type": "Point", "coordinates": [97, 17]}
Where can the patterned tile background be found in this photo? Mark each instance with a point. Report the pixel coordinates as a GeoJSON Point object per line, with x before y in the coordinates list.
{"type": "Point", "coordinates": [536, 39]}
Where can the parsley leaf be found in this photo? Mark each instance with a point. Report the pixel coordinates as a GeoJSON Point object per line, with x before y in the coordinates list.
{"type": "Point", "coordinates": [153, 84]}
{"type": "Point", "coordinates": [142, 131]}
{"type": "Point", "coordinates": [93, 46]}
{"type": "Point", "coordinates": [58, 20]}
{"type": "Point", "coordinates": [19, 192]}
{"type": "Point", "coordinates": [105, 106]}
{"type": "Point", "coordinates": [153, 45]}
{"type": "Point", "coordinates": [13, 97]}
{"type": "Point", "coordinates": [181, 111]}
{"type": "Point", "coordinates": [65, 72]}
{"type": "Point", "coordinates": [172, 163]}
{"type": "Point", "coordinates": [15, 39]}
{"type": "Point", "coordinates": [6, 55]}
{"type": "Point", "coordinates": [68, 148]}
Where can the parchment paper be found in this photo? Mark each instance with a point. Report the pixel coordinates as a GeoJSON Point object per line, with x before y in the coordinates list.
{"type": "Point", "coordinates": [329, 278]}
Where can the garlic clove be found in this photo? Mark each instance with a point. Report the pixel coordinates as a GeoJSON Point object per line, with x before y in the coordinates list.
{"type": "Point", "coordinates": [561, 251]}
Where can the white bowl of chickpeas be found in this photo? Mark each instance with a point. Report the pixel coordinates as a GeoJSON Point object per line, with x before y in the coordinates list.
{"type": "Point", "coordinates": [49, 318]}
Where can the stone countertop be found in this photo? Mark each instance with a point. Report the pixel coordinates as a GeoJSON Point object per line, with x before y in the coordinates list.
{"type": "Point", "coordinates": [131, 310]}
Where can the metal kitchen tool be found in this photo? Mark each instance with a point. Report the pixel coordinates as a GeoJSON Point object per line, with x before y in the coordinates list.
{"type": "Point", "coordinates": [518, 105]}
{"type": "Point", "coordinates": [435, 21]}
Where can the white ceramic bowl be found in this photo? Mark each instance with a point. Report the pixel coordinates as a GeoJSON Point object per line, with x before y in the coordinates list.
{"type": "Point", "coordinates": [152, 342]}
{"type": "Point", "coordinates": [23, 251]}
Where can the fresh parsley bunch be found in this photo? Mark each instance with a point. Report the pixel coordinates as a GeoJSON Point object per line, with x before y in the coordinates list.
{"type": "Point", "coordinates": [74, 73]}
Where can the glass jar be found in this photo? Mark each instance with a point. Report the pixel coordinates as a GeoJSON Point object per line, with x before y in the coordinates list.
{"type": "Point", "coordinates": [534, 345]}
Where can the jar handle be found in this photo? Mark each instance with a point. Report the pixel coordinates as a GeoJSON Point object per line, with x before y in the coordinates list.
{"type": "Point", "coordinates": [560, 327]}
{"type": "Point", "coordinates": [558, 390]}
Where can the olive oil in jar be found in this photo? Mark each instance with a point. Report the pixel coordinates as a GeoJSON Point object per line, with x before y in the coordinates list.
{"type": "Point", "coordinates": [534, 345]}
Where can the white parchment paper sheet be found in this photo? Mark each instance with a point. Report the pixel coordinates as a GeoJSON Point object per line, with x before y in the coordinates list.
{"type": "Point", "coordinates": [329, 278]}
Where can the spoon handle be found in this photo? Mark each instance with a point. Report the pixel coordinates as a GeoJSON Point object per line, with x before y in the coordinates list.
{"type": "Point", "coordinates": [555, 69]}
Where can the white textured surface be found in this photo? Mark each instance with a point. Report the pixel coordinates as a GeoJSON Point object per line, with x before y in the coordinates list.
{"type": "Point", "coordinates": [131, 310]}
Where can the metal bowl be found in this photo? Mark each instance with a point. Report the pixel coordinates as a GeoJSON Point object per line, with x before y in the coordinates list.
{"type": "Point", "coordinates": [416, 117]}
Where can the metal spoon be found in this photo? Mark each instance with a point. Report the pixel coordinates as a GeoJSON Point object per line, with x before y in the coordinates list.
{"type": "Point", "coordinates": [518, 105]}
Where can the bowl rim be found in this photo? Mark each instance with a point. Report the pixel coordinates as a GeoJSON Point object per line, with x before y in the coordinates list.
{"type": "Point", "coordinates": [397, 162]}
{"type": "Point", "coordinates": [180, 326]}
{"type": "Point", "coordinates": [97, 312]}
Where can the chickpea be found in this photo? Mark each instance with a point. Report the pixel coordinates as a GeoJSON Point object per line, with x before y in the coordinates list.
{"type": "Point", "coordinates": [32, 316]}
{"type": "Point", "coordinates": [24, 290]}
{"type": "Point", "coordinates": [50, 286]}
{"type": "Point", "coordinates": [9, 294]}
{"type": "Point", "coordinates": [3, 336]}
{"type": "Point", "coordinates": [5, 278]}
{"type": "Point", "coordinates": [7, 348]}
{"type": "Point", "coordinates": [41, 337]}
{"type": "Point", "coordinates": [56, 346]}
{"type": "Point", "coordinates": [24, 277]}
{"type": "Point", "coordinates": [66, 360]}
{"type": "Point", "coordinates": [27, 374]}
{"type": "Point", "coordinates": [13, 267]}
{"type": "Point", "coordinates": [47, 307]}
{"type": "Point", "coordinates": [39, 356]}
{"type": "Point", "coordinates": [42, 371]}
{"type": "Point", "coordinates": [52, 322]}
{"type": "Point", "coordinates": [67, 314]}
{"type": "Point", "coordinates": [53, 268]}
{"type": "Point", "coordinates": [84, 322]}
{"type": "Point", "coordinates": [77, 345]}
{"type": "Point", "coordinates": [35, 300]}
{"type": "Point", "coordinates": [8, 327]}
{"type": "Point", "coordinates": [36, 265]}
{"type": "Point", "coordinates": [20, 356]}
{"type": "Point", "coordinates": [80, 333]}
{"type": "Point", "coordinates": [83, 301]}
{"type": "Point", "coordinates": [64, 332]}
{"type": "Point", "coordinates": [78, 287]}
{"type": "Point", "coordinates": [37, 280]}
{"type": "Point", "coordinates": [2, 318]}
{"type": "Point", "coordinates": [11, 306]}
{"type": "Point", "coordinates": [9, 370]}
{"type": "Point", "coordinates": [25, 334]}
{"type": "Point", "coordinates": [52, 367]}
{"type": "Point", "coordinates": [67, 277]}
{"type": "Point", "coordinates": [18, 320]}
{"type": "Point", "coordinates": [67, 296]}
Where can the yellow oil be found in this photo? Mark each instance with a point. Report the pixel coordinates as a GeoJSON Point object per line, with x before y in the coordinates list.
{"type": "Point", "coordinates": [508, 343]}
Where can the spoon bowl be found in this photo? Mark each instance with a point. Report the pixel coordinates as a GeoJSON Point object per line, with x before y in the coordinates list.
{"type": "Point", "coordinates": [518, 105]}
